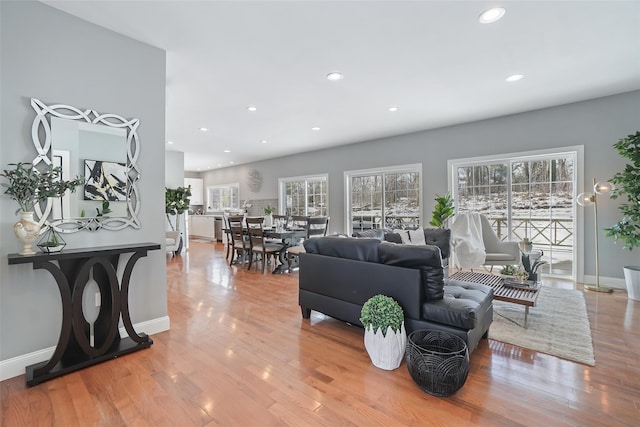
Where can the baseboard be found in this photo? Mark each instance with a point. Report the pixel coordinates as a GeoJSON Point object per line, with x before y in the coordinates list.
{"type": "Point", "coordinates": [611, 282]}
{"type": "Point", "coordinates": [15, 366]}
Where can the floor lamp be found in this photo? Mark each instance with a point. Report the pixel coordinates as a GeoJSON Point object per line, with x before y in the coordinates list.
{"type": "Point", "coordinates": [589, 199]}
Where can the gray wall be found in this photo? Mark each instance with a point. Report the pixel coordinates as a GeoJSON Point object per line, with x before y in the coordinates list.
{"type": "Point", "coordinates": [597, 124]}
{"type": "Point", "coordinates": [57, 58]}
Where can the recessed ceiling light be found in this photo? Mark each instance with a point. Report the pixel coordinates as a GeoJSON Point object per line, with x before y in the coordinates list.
{"type": "Point", "coordinates": [198, 168]}
{"type": "Point", "coordinates": [169, 142]}
{"type": "Point", "coordinates": [204, 129]}
{"type": "Point", "coordinates": [514, 78]}
{"type": "Point", "coordinates": [315, 128]}
{"type": "Point", "coordinates": [264, 141]}
{"type": "Point", "coordinates": [335, 75]}
{"type": "Point", "coordinates": [393, 108]}
{"type": "Point", "coordinates": [219, 164]}
{"type": "Point", "coordinates": [491, 15]}
{"type": "Point", "coordinates": [231, 162]}
{"type": "Point", "coordinates": [251, 108]}
{"type": "Point", "coordinates": [227, 151]}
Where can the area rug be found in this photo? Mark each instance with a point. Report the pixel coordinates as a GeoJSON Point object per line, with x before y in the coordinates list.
{"type": "Point", "coordinates": [557, 325]}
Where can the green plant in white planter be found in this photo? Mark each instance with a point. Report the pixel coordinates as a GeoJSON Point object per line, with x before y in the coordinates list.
{"type": "Point", "coordinates": [627, 229]}
{"type": "Point", "coordinates": [176, 203]}
{"type": "Point", "coordinates": [385, 337]}
{"type": "Point", "coordinates": [29, 186]}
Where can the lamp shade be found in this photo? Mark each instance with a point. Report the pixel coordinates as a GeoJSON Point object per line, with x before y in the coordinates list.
{"type": "Point", "coordinates": [585, 199]}
{"type": "Point", "coordinates": [603, 187]}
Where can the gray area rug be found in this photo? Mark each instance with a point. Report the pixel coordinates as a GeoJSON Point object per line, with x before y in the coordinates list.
{"type": "Point", "coordinates": [557, 325]}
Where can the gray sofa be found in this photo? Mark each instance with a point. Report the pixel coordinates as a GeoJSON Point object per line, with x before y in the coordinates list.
{"type": "Point", "coordinates": [338, 275]}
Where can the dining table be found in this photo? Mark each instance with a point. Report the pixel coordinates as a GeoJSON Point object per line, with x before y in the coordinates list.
{"type": "Point", "coordinates": [289, 237]}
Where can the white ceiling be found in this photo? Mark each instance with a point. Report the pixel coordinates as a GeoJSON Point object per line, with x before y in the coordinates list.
{"type": "Point", "coordinates": [432, 59]}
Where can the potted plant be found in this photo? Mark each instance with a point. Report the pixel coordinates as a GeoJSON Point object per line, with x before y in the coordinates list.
{"type": "Point", "coordinates": [442, 211]}
{"type": "Point", "coordinates": [526, 245]}
{"type": "Point", "coordinates": [176, 203]}
{"type": "Point", "coordinates": [628, 228]}
{"type": "Point", "coordinates": [385, 337]}
{"type": "Point", "coordinates": [531, 262]}
{"type": "Point", "coordinates": [30, 186]}
{"type": "Point", "coordinates": [51, 241]}
{"type": "Point", "coordinates": [268, 215]}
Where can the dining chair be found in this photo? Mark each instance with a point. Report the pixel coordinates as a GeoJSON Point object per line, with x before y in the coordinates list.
{"type": "Point", "coordinates": [257, 243]}
{"type": "Point", "coordinates": [237, 236]}
{"type": "Point", "coordinates": [316, 227]}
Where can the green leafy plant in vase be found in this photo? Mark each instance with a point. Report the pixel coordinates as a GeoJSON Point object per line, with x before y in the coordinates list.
{"type": "Point", "coordinates": [176, 203]}
{"type": "Point", "coordinates": [627, 229]}
{"type": "Point", "coordinates": [30, 186]}
{"type": "Point", "coordinates": [442, 211]}
{"type": "Point", "coordinates": [385, 337]}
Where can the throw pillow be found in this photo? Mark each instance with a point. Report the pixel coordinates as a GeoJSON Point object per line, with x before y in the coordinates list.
{"type": "Point", "coordinates": [417, 237]}
{"type": "Point", "coordinates": [404, 235]}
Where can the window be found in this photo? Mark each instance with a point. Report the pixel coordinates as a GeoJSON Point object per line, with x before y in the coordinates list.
{"type": "Point", "coordinates": [529, 195]}
{"type": "Point", "coordinates": [384, 198]}
{"type": "Point", "coordinates": [304, 196]}
{"type": "Point", "coordinates": [223, 197]}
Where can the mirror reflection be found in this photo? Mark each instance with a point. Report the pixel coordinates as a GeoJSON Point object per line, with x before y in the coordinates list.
{"type": "Point", "coordinates": [98, 153]}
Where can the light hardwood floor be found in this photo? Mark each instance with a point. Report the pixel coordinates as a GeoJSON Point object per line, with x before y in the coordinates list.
{"type": "Point", "coordinates": [240, 354]}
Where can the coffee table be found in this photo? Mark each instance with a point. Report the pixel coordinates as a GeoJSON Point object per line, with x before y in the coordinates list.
{"type": "Point", "coordinates": [501, 292]}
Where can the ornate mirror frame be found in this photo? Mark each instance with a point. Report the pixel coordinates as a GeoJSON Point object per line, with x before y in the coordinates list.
{"type": "Point", "coordinates": [41, 135]}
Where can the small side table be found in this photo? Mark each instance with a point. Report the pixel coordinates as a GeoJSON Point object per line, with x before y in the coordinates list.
{"type": "Point", "coordinates": [437, 361]}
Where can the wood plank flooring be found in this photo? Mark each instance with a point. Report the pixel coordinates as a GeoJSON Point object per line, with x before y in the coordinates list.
{"type": "Point", "coordinates": [240, 354]}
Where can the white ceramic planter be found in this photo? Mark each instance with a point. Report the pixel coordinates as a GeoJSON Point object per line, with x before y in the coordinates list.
{"type": "Point", "coordinates": [386, 352]}
{"type": "Point", "coordinates": [632, 278]}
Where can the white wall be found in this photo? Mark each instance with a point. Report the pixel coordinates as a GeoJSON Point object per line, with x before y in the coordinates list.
{"type": "Point", "coordinates": [597, 124]}
{"type": "Point", "coordinates": [57, 58]}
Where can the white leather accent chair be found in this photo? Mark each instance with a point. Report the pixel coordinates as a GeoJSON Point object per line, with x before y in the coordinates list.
{"type": "Point", "coordinates": [498, 252]}
{"type": "Point", "coordinates": [475, 243]}
{"type": "Point", "coordinates": [172, 242]}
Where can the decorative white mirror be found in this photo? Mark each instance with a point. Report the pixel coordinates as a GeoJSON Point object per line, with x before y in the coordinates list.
{"type": "Point", "coordinates": [101, 147]}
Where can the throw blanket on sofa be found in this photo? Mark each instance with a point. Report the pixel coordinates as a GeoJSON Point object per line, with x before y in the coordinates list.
{"type": "Point", "coordinates": [466, 240]}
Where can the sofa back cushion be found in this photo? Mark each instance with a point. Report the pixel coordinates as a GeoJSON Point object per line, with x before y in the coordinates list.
{"type": "Point", "coordinates": [375, 233]}
{"type": "Point", "coordinates": [426, 258]}
{"type": "Point", "coordinates": [440, 237]}
{"type": "Point", "coordinates": [341, 247]}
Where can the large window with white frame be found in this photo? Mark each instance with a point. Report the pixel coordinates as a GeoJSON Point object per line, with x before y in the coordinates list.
{"type": "Point", "coordinates": [525, 195]}
{"type": "Point", "coordinates": [384, 198]}
{"type": "Point", "coordinates": [306, 195]}
{"type": "Point", "coordinates": [223, 197]}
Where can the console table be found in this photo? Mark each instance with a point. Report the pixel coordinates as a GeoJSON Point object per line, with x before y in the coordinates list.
{"type": "Point", "coordinates": [73, 271]}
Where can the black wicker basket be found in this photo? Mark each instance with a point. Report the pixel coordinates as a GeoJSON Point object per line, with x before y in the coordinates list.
{"type": "Point", "coordinates": [437, 361]}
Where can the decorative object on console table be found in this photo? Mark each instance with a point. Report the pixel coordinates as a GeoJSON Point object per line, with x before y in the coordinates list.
{"type": "Point", "coordinates": [74, 270]}
{"type": "Point", "coordinates": [628, 228]}
{"type": "Point", "coordinates": [30, 186]}
{"type": "Point", "coordinates": [437, 361]}
{"type": "Point", "coordinates": [591, 199]}
{"type": "Point", "coordinates": [385, 337]}
{"type": "Point", "coordinates": [51, 241]}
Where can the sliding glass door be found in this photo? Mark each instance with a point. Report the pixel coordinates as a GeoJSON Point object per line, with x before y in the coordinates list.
{"type": "Point", "coordinates": [528, 197]}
